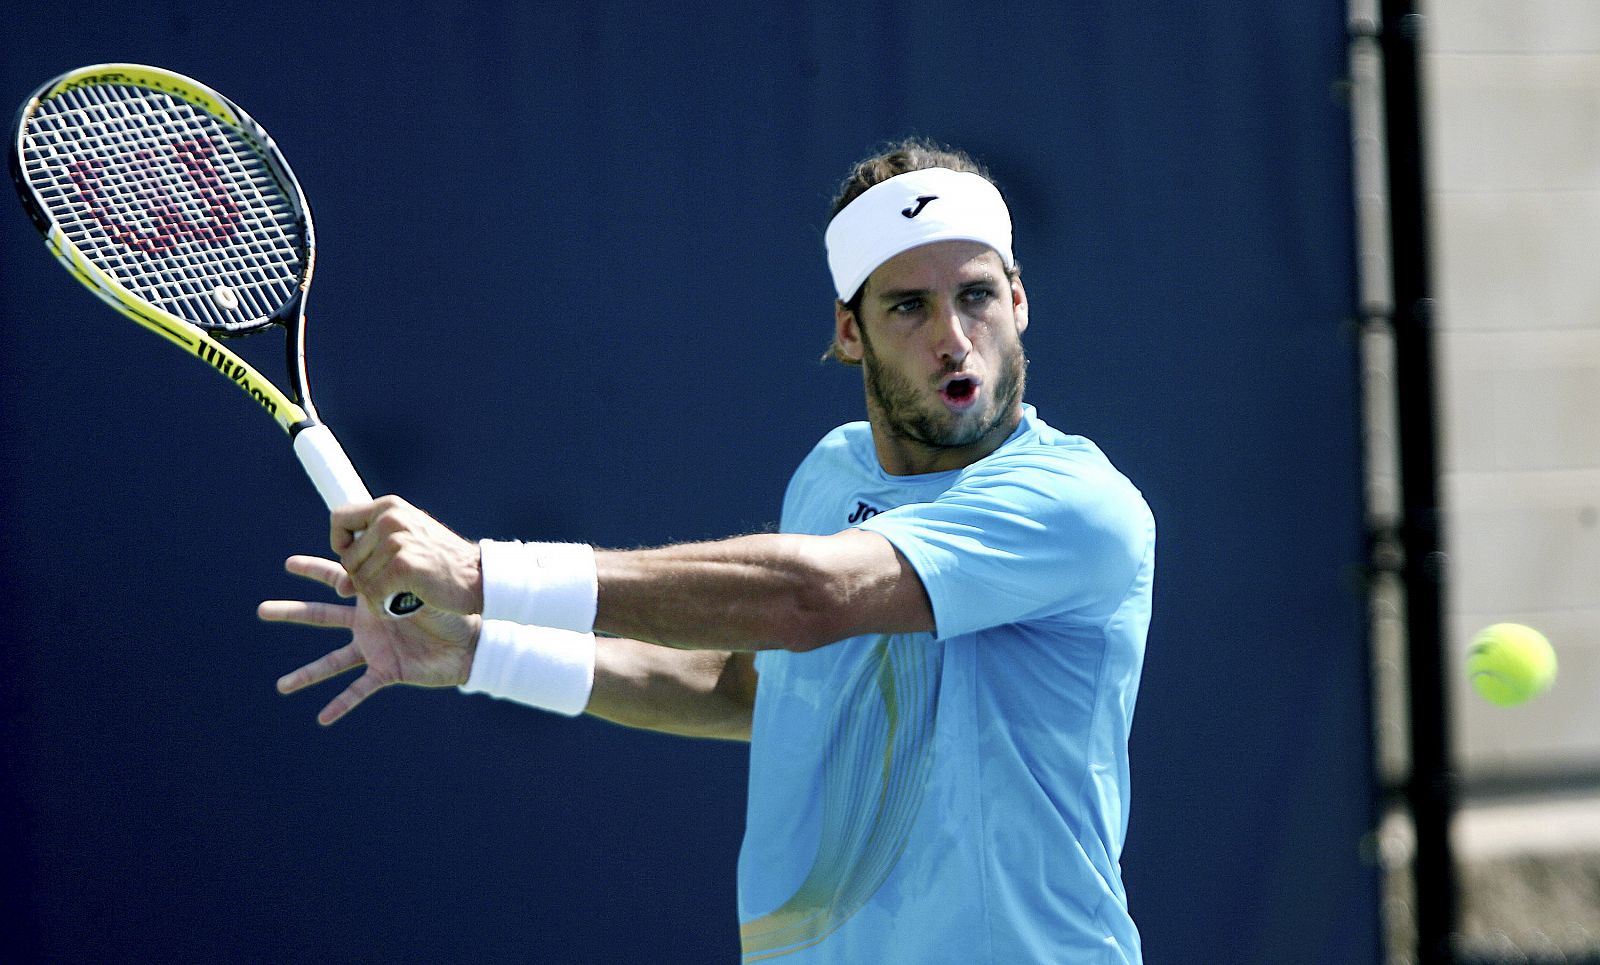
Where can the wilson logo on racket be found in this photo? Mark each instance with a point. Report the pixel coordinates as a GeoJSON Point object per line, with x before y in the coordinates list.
{"type": "Point", "coordinates": [150, 182]}
{"type": "Point", "coordinates": [238, 373]}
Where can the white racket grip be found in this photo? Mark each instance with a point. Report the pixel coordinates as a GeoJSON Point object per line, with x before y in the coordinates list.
{"type": "Point", "coordinates": [329, 468]}
{"type": "Point", "coordinates": [339, 484]}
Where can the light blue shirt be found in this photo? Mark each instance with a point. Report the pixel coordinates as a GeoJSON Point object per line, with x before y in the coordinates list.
{"type": "Point", "coordinates": [958, 796]}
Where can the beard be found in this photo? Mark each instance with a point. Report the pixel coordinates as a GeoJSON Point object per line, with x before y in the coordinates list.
{"type": "Point", "coordinates": [916, 414]}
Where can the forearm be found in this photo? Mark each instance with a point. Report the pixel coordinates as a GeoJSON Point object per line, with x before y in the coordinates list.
{"type": "Point", "coordinates": [759, 592]}
{"type": "Point", "coordinates": [770, 591]}
{"type": "Point", "coordinates": [690, 693]}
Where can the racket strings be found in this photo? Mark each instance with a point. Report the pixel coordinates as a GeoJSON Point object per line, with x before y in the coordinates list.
{"type": "Point", "coordinates": [180, 207]}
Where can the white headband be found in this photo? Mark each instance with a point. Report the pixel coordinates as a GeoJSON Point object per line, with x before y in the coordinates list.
{"type": "Point", "coordinates": [910, 210]}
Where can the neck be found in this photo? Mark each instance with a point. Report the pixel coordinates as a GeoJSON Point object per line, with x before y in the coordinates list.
{"type": "Point", "coordinates": [901, 455]}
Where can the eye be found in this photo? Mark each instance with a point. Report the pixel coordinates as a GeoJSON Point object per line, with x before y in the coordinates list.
{"type": "Point", "coordinates": [977, 294]}
{"type": "Point", "coordinates": [906, 307]}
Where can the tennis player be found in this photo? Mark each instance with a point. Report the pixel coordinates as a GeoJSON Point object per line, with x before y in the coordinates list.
{"type": "Point", "coordinates": [934, 661]}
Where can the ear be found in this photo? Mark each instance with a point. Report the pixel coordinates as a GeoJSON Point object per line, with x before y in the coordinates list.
{"type": "Point", "coordinates": [1019, 304]}
{"type": "Point", "coordinates": [846, 332]}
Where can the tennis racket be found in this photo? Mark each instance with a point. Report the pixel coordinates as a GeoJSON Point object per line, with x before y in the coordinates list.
{"type": "Point", "coordinates": [170, 203]}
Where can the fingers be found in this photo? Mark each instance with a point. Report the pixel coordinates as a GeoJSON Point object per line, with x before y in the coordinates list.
{"type": "Point", "coordinates": [327, 572]}
{"type": "Point", "coordinates": [403, 549]}
{"type": "Point", "coordinates": [327, 615]}
{"type": "Point", "coordinates": [360, 689]}
{"type": "Point", "coordinates": [347, 523]}
{"type": "Point", "coordinates": [307, 613]}
{"type": "Point", "coordinates": [374, 571]}
{"type": "Point", "coordinates": [329, 665]}
{"type": "Point", "coordinates": [364, 537]}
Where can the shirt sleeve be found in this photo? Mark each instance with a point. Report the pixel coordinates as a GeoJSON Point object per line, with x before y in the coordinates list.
{"type": "Point", "coordinates": [1024, 536]}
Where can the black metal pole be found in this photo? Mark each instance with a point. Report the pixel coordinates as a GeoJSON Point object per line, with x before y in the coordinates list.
{"type": "Point", "coordinates": [1432, 788]}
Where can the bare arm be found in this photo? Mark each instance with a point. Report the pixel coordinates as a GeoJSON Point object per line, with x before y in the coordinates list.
{"type": "Point", "coordinates": [760, 592]}
{"type": "Point", "coordinates": [691, 693]}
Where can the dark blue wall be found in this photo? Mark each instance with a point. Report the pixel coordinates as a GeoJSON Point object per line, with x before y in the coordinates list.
{"type": "Point", "coordinates": [571, 286]}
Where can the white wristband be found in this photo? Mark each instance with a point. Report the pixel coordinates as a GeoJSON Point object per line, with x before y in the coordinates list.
{"type": "Point", "coordinates": [542, 584]}
{"type": "Point", "coordinates": [538, 666]}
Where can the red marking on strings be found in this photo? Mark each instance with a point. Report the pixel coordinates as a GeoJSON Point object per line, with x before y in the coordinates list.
{"type": "Point", "coordinates": [161, 206]}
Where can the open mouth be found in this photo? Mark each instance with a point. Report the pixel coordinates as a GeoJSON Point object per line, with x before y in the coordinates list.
{"type": "Point", "coordinates": [960, 391]}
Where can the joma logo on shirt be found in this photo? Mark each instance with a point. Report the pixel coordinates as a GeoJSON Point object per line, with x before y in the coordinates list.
{"type": "Point", "coordinates": [863, 512]}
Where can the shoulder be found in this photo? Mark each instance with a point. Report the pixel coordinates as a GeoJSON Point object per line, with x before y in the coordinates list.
{"type": "Point", "coordinates": [1055, 462]}
{"type": "Point", "coordinates": [832, 466]}
{"type": "Point", "coordinates": [845, 444]}
{"type": "Point", "coordinates": [1044, 524]}
{"type": "Point", "coordinates": [1060, 486]}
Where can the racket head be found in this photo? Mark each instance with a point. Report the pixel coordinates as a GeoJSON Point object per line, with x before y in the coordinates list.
{"type": "Point", "coordinates": [165, 198]}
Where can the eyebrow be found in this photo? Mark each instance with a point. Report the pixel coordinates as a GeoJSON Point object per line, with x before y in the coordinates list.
{"type": "Point", "coordinates": [898, 294]}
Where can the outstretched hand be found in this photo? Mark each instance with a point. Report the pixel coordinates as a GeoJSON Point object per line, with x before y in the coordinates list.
{"type": "Point", "coordinates": [431, 649]}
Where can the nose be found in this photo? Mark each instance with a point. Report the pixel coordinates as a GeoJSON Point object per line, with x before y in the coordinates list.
{"type": "Point", "coordinates": [952, 342]}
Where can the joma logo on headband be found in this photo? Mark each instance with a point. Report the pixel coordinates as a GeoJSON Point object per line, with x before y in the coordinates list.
{"type": "Point", "coordinates": [922, 202]}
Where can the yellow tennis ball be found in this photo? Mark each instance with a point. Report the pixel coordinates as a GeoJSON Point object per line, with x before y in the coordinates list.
{"type": "Point", "coordinates": [1511, 663]}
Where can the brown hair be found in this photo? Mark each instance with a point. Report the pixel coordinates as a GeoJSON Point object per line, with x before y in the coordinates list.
{"type": "Point", "coordinates": [894, 159]}
{"type": "Point", "coordinates": [902, 157]}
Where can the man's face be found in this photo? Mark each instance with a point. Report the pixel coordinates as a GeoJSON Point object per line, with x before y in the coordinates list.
{"type": "Point", "coordinates": [939, 339]}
